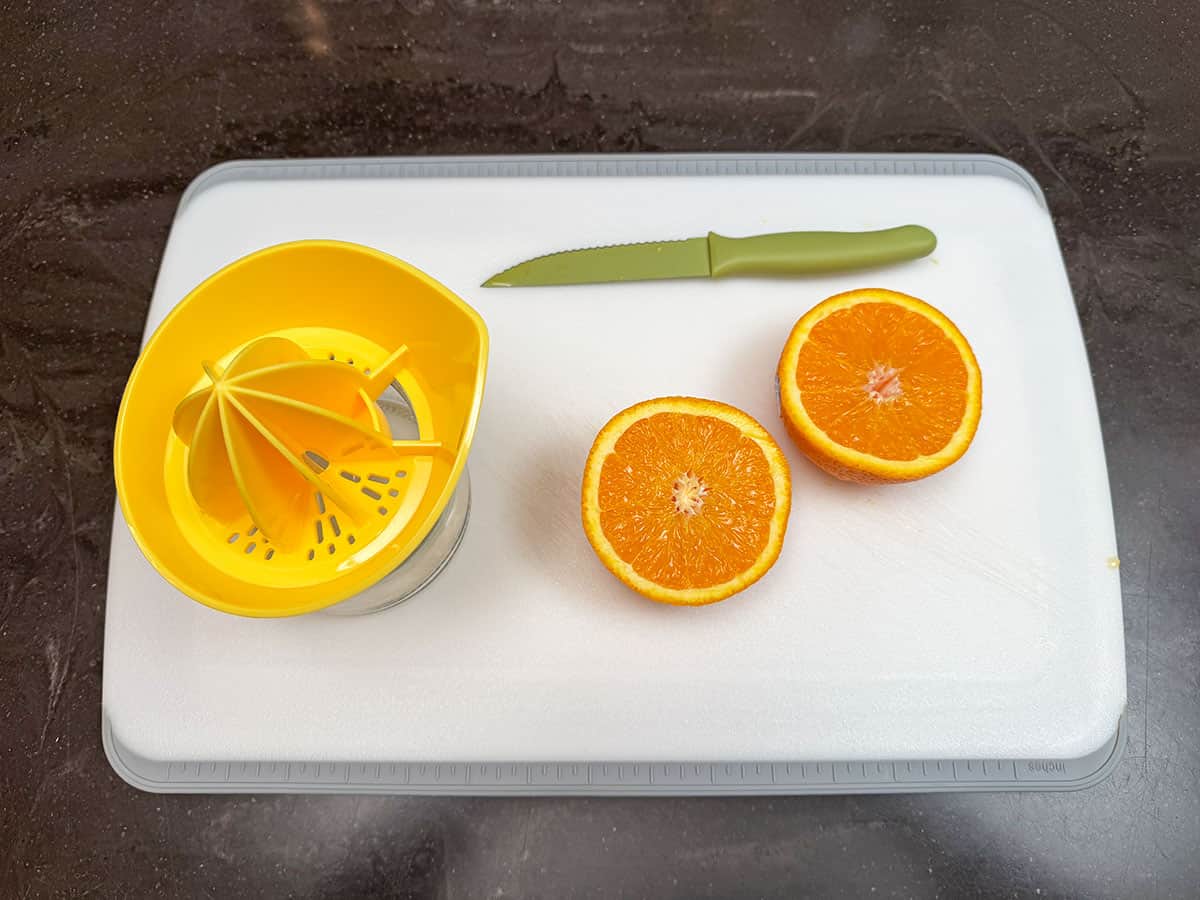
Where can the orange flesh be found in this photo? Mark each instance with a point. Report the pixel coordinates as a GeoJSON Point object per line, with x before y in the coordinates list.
{"type": "Point", "coordinates": [686, 500]}
{"type": "Point", "coordinates": [884, 380]}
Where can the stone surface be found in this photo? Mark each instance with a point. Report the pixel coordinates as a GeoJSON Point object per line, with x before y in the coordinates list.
{"type": "Point", "coordinates": [108, 110]}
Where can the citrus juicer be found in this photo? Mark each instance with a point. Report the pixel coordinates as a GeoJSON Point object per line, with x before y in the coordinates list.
{"type": "Point", "coordinates": [294, 434]}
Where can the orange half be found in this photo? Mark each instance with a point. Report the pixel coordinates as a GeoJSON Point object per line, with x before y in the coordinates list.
{"type": "Point", "coordinates": [877, 386]}
{"type": "Point", "coordinates": [686, 500]}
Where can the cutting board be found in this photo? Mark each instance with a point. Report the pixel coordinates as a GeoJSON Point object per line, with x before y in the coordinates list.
{"type": "Point", "coordinates": [973, 615]}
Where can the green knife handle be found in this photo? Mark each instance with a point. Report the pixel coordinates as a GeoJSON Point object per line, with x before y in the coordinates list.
{"type": "Point", "coordinates": [814, 252]}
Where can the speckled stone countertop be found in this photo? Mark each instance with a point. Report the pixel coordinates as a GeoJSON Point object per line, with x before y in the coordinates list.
{"type": "Point", "coordinates": [106, 113]}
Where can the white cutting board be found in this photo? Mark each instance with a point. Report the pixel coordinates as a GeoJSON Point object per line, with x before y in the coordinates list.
{"type": "Point", "coordinates": [974, 614]}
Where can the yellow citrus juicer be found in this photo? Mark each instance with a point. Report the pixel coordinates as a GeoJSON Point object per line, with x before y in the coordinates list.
{"type": "Point", "coordinates": [254, 462]}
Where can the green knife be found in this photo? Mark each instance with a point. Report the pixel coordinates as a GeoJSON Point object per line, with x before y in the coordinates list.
{"type": "Point", "coordinates": [715, 256]}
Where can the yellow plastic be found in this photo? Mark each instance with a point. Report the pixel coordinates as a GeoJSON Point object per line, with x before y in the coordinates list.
{"type": "Point", "coordinates": [253, 464]}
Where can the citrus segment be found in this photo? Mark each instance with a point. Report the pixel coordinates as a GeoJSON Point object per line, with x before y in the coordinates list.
{"type": "Point", "coordinates": [686, 500]}
{"type": "Point", "coordinates": [878, 386]}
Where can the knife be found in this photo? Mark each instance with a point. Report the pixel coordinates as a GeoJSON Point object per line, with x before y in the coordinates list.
{"type": "Point", "coordinates": [716, 256]}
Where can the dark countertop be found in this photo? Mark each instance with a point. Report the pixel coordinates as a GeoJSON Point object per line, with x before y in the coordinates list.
{"type": "Point", "coordinates": [106, 115]}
